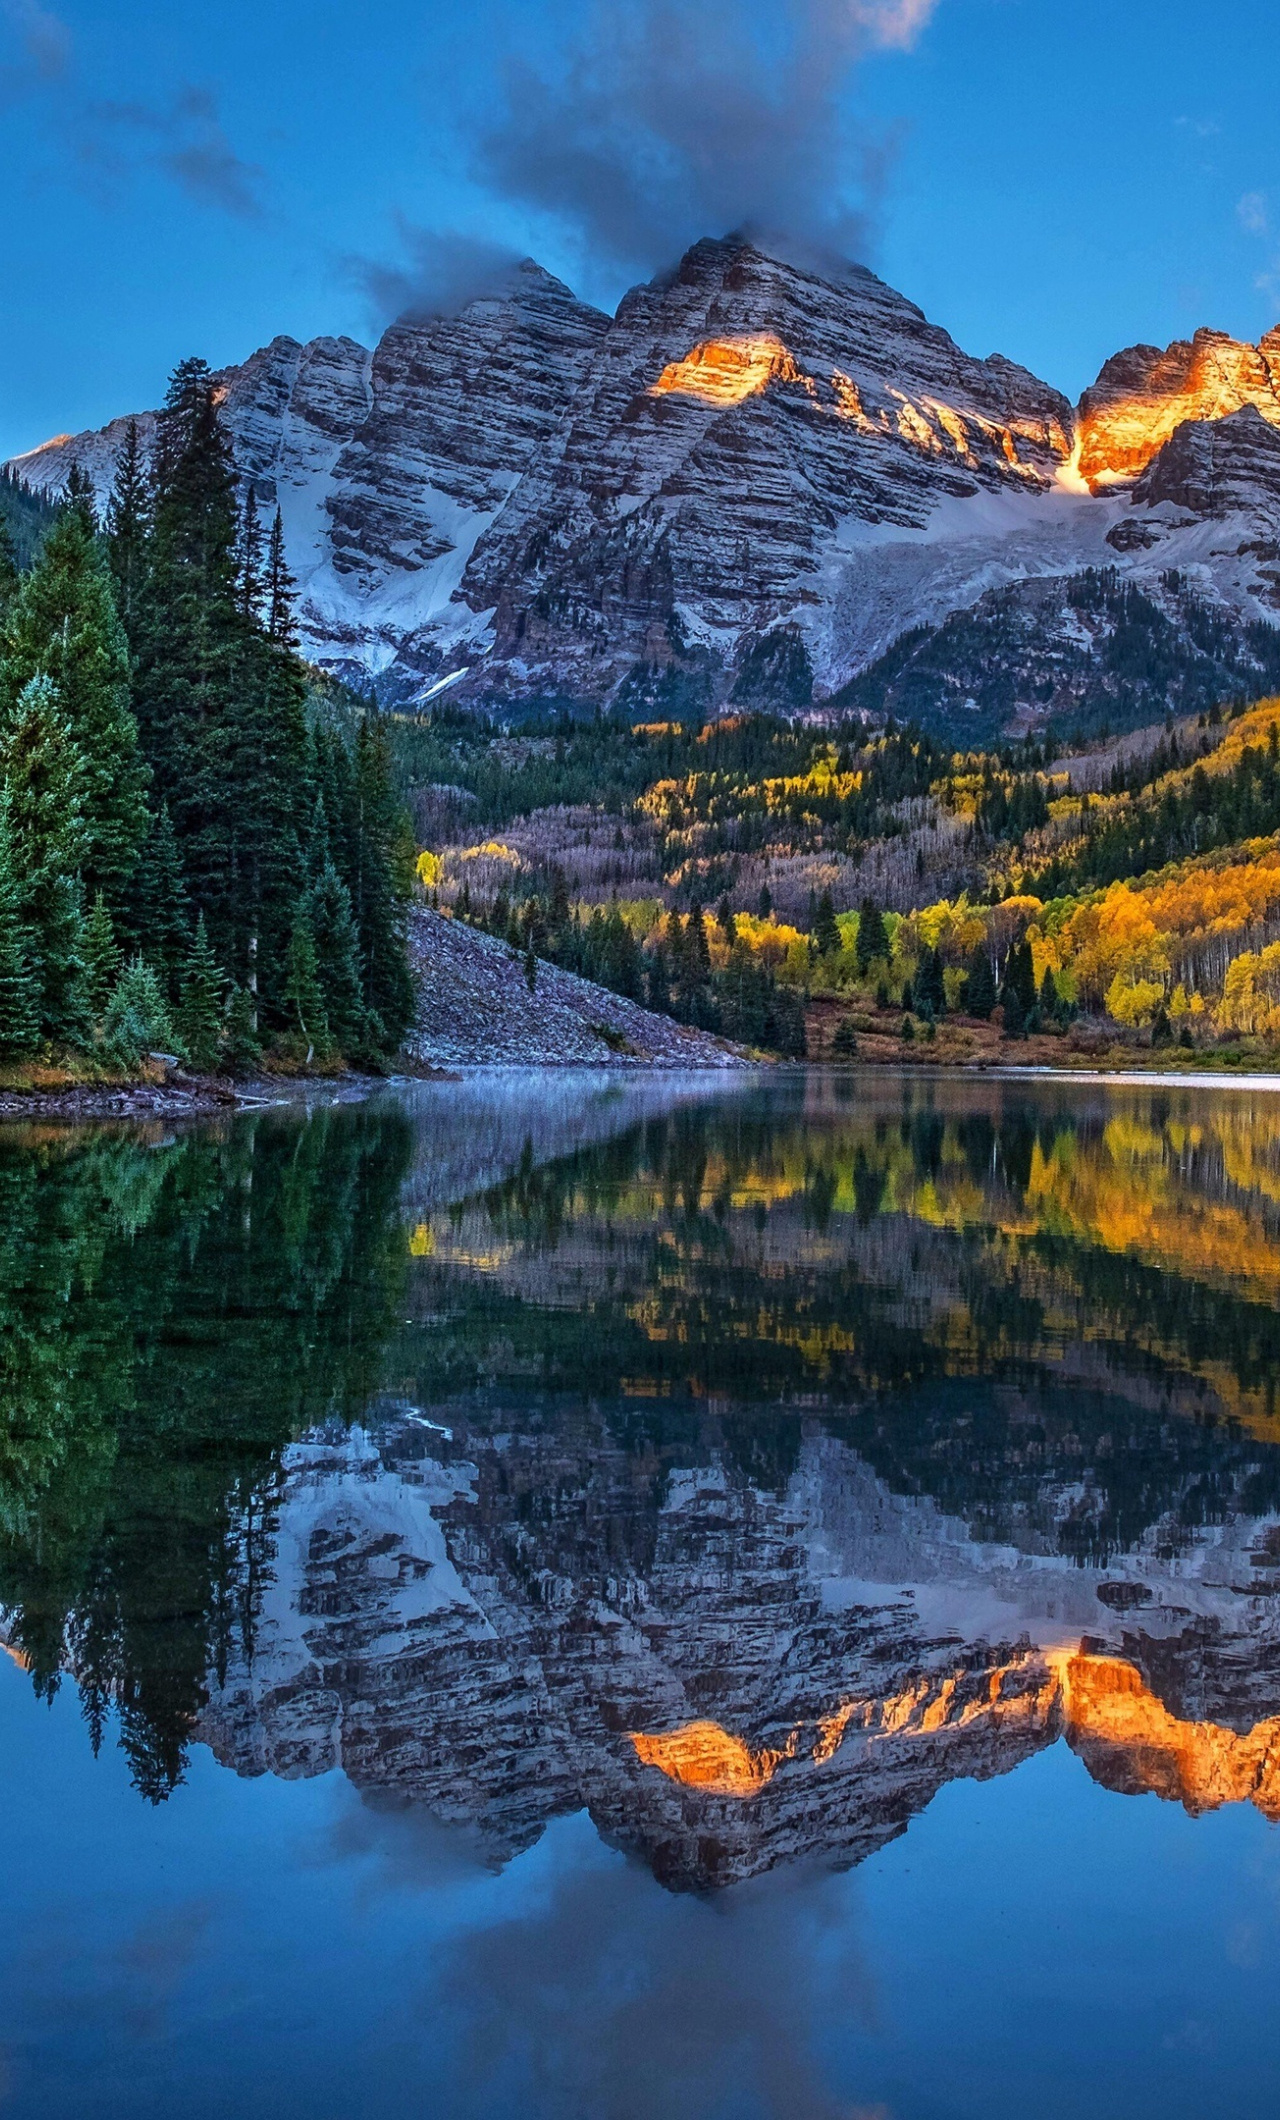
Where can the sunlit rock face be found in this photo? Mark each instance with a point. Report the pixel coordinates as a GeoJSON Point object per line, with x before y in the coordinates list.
{"type": "Point", "coordinates": [755, 466]}
{"type": "Point", "coordinates": [509, 1624]}
{"type": "Point", "coordinates": [742, 417]}
{"type": "Point", "coordinates": [1143, 395]}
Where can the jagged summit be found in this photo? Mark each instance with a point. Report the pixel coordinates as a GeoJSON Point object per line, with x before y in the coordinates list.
{"type": "Point", "coordinates": [531, 498]}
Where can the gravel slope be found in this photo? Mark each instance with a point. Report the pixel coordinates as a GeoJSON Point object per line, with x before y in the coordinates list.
{"type": "Point", "coordinates": [475, 1010]}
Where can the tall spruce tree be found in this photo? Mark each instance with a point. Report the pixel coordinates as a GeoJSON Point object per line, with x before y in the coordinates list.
{"type": "Point", "coordinates": [160, 907]}
{"type": "Point", "coordinates": [19, 980]}
{"type": "Point", "coordinates": [280, 591]}
{"type": "Point", "coordinates": [873, 940]}
{"type": "Point", "coordinates": [380, 912]}
{"type": "Point", "coordinates": [44, 774]}
{"type": "Point", "coordinates": [102, 955]}
{"type": "Point", "coordinates": [826, 934]}
{"type": "Point", "coordinates": [337, 959]}
{"type": "Point", "coordinates": [128, 528]}
{"type": "Point", "coordinates": [199, 1015]}
{"type": "Point", "coordinates": [63, 625]}
{"type": "Point", "coordinates": [303, 996]}
{"type": "Point", "coordinates": [220, 705]}
{"type": "Point", "coordinates": [9, 575]}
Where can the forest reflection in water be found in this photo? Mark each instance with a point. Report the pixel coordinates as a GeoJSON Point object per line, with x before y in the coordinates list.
{"type": "Point", "coordinates": [740, 1464]}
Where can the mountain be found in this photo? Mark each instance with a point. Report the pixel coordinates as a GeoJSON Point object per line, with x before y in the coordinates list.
{"type": "Point", "coordinates": [747, 486]}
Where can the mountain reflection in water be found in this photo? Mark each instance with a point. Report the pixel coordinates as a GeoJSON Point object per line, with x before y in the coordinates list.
{"type": "Point", "coordinates": [738, 1463]}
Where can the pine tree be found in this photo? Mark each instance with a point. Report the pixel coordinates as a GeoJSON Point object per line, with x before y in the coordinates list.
{"type": "Point", "coordinates": [128, 527]}
{"type": "Point", "coordinates": [102, 955]}
{"type": "Point", "coordinates": [281, 587]}
{"type": "Point", "coordinates": [303, 997]}
{"type": "Point", "coordinates": [160, 906]}
{"type": "Point", "coordinates": [243, 1049]}
{"type": "Point", "coordinates": [137, 1019]}
{"type": "Point", "coordinates": [9, 575]}
{"type": "Point", "coordinates": [19, 982]}
{"type": "Point", "coordinates": [249, 557]}
{"type": "Point", "coordinates": [826, 933]}
{"type": "Point", "coordinates": [44, 772]}
{"type": "Point", "coordinates": [980, 993]}
{"type": "Point", "coordinates": [337, 959]}
{"type": "Point", "coordinates": [873, 941]}
{"type": "Point", "coordinates": [199, 1015]}
{"type": "Point", "coordinates": [379, 913]}
{"type": "Point", "coordinates": [930, 988]}
{"type": "Point", "coordinates": [63, 625]}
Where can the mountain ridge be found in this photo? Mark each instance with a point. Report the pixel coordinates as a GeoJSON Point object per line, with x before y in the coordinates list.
{"type": "Point", "coordinates": [751, 460]}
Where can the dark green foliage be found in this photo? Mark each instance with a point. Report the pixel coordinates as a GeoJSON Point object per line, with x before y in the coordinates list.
{"type": "Point", "coordinates": [137, 1019]}
{"type": "Point", "coordinates": [25, 516]}
{"type": "Point", "coordinates": [873, 940]}
{"type": "Point", "coordinates": [128, 527]}
{"type": "Point", "coordinates": [930, 991]}
{"type": "Point", "coordinates": [1019, 983]}
{"type": "Point", "coordinates": [844, 1044]}
{"type": "Point", "coordinates": [199, 1014]}
{"type": "Point", "coordinates": [63, 625]}
{"type": "Point", "coordinates": [775, 673]}
{"type": "Point", "coordinates": [102, 955]}
{"type": "Point", "coordinates": [826, 934]}
{"type": "Point", "coordinates": [242, 1048]}
{"type": "Point", "coordinates": [980, 992]}
{"type": "Point", "coordinates": [303, 994]}
{"type": "Point", "coordinates": [19, 982]}
{"type": "Point", "coordinates": [160, 911]}
{"type": "Point", "coordinates": [44, 772]}
{"type": "Point", "coordinates": [337, 958]}
{"type": "Point", "coordinates": [908, 1030]}
{"type": "Point", "coordinates": [1161, 1028]}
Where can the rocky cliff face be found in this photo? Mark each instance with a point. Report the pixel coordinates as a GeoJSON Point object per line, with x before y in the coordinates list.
{"type": "Point", "coordinates": [754, 476]}
{"type": "Point", "coordinates": [1143, 395]}
{"type": "Point", "coordinates": [510, 1622]}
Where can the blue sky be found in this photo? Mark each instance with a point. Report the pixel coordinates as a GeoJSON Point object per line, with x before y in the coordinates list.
{"type": "Point", "coordinates": [1051, 180]}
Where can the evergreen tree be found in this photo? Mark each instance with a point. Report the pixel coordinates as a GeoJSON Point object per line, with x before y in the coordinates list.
{"type": "Point", "coordinates": [161, 905]}
{"type": "Point", "coordinates": [380, 914]}
{"type": "Point", "coordinates": [1019, 982]}
{"type": "Point", "coordinates": [199, 1016]}
{"type": "Point", "coordinates": [63, 625]}
{"type": "Point", "coordinates": [44, 773]}
{"type": "Point", "coordinates": [249, 557]}
{"type": "Point", "coordinates": [137, 1019]}
{"type": "Point", "coordinates": [19, 982]}
{"type": "Point", "coordinates": [873, 941]}
{"type": "Point", "coordinates": [337, 959]}
{"type": "Point", "coordinates": [980, 994]}
{"type": "Point", "coordinates": [102, 955]}
{"type": "Point", "coordinates": [9, 575]}
{"type": "Point", "coordinates": [128, 527]}
{"type": "Point", "coordinates": [303, 997]}
{"type": "Point", "coordinates": [826, 933]}
{"type": "Point", "coordinates": [930, 988]}
{"type": "Point", "coordinates": [220, 706]}
{"type": "Point", "coordinates": [281, 587]}
{"type": "Point", "coordinates": [243, 1050]}
{"type": "Point", "coordinates": [1050, 999]}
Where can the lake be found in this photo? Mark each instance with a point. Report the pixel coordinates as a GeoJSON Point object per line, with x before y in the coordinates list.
{"type": "Point", "coordinates": [592, 1598]}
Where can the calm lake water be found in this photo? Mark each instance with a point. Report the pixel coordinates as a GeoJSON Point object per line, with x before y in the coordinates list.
{"type": "Point", "coordinates": [592, 1599]}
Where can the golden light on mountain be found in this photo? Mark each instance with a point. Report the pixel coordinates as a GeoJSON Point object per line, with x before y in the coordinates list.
{"type": "Point", "coordinates": [1126, 1736]}
{"type": "Point", "coordinates": [725, 371]}
{"type": "Point", "coordinates": [701, 1755]}
{"type": "Point", "coordinates": [1145, 393]}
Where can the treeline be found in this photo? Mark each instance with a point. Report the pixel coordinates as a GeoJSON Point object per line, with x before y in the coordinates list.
{"type": "Point", "coordinates": [672, 971]}
{"type": "Point", "coordinates": [1203, 812]}
{"type": "Point", "coordinates": [185, 863]}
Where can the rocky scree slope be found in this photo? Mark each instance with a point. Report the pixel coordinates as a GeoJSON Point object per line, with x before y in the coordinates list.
{"type": "Point", "coordinates": [753, 479]}
{"type": "Point", "coordinates": [476, 1009]}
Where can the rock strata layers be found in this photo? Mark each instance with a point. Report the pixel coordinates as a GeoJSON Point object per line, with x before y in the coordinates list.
{"type": "Point", "coordinates": [742, 488]}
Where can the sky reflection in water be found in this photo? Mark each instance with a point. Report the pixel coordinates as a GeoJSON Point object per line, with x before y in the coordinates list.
{"type": "Point", "coordinates": [398, 1498]}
